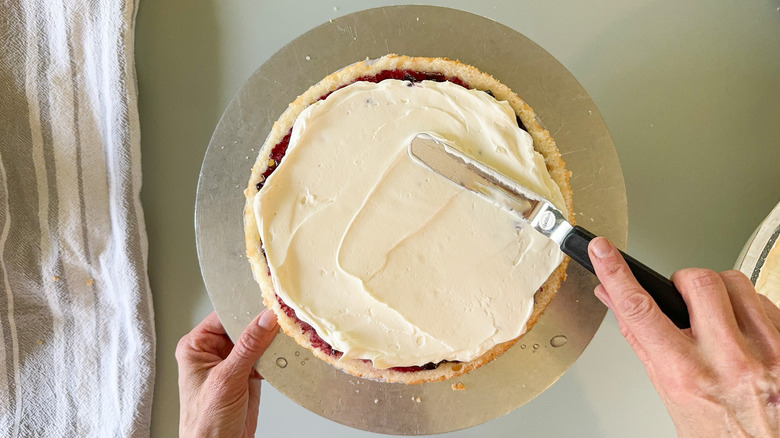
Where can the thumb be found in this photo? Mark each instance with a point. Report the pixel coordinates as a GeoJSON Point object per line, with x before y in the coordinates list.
{"type": "Point", "coordinates": [252, 343]}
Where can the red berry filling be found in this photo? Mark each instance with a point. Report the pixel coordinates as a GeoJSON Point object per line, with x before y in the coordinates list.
{"type": "Point", "coordinates": [320, 344]}
{"type": "Point", "coordinates": [277, 153]}
{"type": "Point", "coordinates": [315, 339]}
{"type": "Point", "coordinates": [276, 156]}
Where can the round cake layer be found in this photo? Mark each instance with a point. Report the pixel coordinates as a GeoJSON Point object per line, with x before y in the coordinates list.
{"type": "Point", "coordinates": [387, 260]}
{"type": "Point", "coordinates": [364, 261]}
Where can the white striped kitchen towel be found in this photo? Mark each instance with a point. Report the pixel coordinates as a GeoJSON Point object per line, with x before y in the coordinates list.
{"type": "Point", "coordinates": [76, 318]}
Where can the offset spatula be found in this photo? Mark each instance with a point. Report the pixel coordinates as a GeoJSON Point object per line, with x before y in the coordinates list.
{"type": "Point", "coordinates": [498, 189]}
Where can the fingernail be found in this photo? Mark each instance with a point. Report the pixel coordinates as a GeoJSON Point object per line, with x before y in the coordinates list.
{"type": "Point", "coordinates": [600, 247]}
{"type": "Point", "coordinates": [267, 320]}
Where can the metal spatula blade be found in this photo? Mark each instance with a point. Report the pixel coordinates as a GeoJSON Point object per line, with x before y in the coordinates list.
{"type": "Point", "coordinates": [541, 214]}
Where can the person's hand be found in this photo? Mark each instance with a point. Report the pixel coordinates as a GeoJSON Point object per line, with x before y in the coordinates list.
{"type": "Point", "coordinates": [219, 390]}
{"type": "Point", "coordinates": [718, 378]}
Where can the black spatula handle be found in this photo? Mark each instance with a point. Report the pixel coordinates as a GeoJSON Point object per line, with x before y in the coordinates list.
{"type": "Point", "coordinates": [575, 245]}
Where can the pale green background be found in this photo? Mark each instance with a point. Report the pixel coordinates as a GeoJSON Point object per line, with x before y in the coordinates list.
{"type": "Point", "coordinates": [690, 91]}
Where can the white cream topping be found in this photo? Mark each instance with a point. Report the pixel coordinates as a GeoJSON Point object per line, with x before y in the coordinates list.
{"type": "Point", "coordinates": [387, 260]}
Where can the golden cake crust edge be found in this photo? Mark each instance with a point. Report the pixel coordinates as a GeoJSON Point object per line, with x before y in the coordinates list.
{"type": "Point", "coordinates": [474, 78]}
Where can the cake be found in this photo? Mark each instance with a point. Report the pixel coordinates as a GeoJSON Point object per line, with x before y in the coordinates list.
{"type": "Point", "coordinates": [378, 266]}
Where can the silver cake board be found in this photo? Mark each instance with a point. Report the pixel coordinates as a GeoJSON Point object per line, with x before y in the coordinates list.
{"type": "Point", "coordinates": [562, 105]}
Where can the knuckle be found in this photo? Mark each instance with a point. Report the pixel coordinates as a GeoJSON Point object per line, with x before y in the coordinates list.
{"type": "Point", "coordinates": [636, 306]}
{"type": "Point", "coordinates": [734, 276]}
{"type": "Point", "coordinates": [250, 342]}
{"type": "Point", "coordinates": [682, 383]}
{"type": "Point", "coordinates": [685, 377]}
{"type": "Point", "coordinates": [697, 278]}
{"type": "Point", "coordinates": [615, 269]}
{"type": "Point", "coordinates": [182, 349]}
{"type": "Point", "coordinates": [733, 273]}
{"type": "Point", "coordinates": [742, 366]}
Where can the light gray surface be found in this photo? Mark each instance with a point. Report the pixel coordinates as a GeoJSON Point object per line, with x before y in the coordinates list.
{"type": "Point", "coordinates": [689, 92]}
{"type": "Point", "coordinates": [573, 317]}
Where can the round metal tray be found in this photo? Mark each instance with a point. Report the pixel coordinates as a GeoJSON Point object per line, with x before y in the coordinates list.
{"type": "Point", "coordinates": [563, 106]}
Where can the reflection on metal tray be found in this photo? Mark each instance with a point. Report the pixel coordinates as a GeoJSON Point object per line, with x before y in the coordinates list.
{"type": "Point", "coordinates": [568, 324]}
